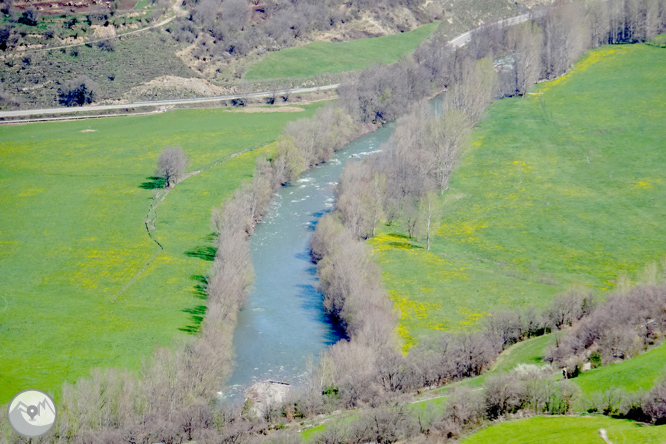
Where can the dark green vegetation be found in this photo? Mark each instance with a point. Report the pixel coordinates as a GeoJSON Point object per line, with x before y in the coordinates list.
{"type": "Point", "coordinates": [334, 57]}
{"type": "Point", "coordinates": [563, 430]}
{"type": "Point", "coordinates": [560, 188]}
{"type": "Point", "coordinates": [79, 270]}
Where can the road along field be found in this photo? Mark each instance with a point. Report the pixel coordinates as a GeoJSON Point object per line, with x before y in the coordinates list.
{"type": "Point", "coordinates": [563, 187]}
{"type": "Point", "coordinates": [82, 284]}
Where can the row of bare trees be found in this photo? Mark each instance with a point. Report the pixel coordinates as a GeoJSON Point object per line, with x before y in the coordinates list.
{"type": "Point", "coordinates": [236, 28]}
{"type": "Point", "coordinates": [544, 47]}
{"type": "Point", "coordinates": [172, 399]}
{"type": "Point", "coordinates": [402, 184]}
{"type": "Point", "coordinates": [528, 390]}
{"type": "Point", "coordinates": [351, 374]}
{"type": "Point", "coordinates": [623, 326]}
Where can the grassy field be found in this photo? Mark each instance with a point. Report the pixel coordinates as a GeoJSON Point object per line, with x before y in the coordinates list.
{"type": "Point", "coordinates": [526, 352]}
{"type": "Point", "coordinates": [72, 237]}
{"type": "Point", "coordinates": [561, 188]}
{"type": "Point", "coordinates": [638, 373]}
{"type": "Point", "coordinates": [568, 430]}
{"type": "Point", "coordinates": [334, 57]}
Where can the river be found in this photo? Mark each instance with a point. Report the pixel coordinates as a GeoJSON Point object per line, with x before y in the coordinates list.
{"type": "Point", "coordinates": [284, 326]}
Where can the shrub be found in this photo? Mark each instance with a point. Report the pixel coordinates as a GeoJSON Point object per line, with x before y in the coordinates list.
{"type": "Point", "coordinates": [29, 17]}
{"type": "Point", "coordinates": [654, 403]}
{"type": "Point", "coordinates": [78, 92]}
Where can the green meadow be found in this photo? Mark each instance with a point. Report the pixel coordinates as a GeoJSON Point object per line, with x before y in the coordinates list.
{"type": "Point", "coordinates": [561, 188]}
{"type": "Point", "coordinates": [568, 430]}
{"type": "Point", "coordinates": [638, 373]}
{"type": "Point", "coordinates": [335, 57]}
{"type": "Point", "coordinates": [82, 283]}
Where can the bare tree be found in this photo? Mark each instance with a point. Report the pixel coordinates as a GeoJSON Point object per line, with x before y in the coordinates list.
{"type": "Point", "coordinates": [526, 41]}
{"type": "Point", "coordinates": [654, 402]}
{"type": "Point", "coordinates": [171, 165]}
{"type": "Point", "coordinates": [451, 140]}
{"type": "Point", "coordinates": [429, 215]}
{"type": "Point", "coordinates": [236, 13]}
{"type": "Point", "coordinates": [474, 88]}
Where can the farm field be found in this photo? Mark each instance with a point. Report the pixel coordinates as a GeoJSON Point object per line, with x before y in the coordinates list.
{"type": "Point", "coordinates": [567, 430]}
{"type": "Point", "coordinates": [82, 284]}
{"type": "Point", "coordinates": [335, 57]}
{"type": "Point", "coordinates": [560, 188]}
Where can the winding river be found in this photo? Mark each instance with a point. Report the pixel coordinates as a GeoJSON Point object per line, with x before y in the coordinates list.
{"type": "Point", "coordinates": [284, 326]}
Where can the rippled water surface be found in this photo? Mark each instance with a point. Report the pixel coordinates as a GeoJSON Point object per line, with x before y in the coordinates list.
{"type": "Point", "coordinates": [284, 323]}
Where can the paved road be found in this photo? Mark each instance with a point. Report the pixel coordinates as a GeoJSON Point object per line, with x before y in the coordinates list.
{"type": "Point", "coordinates": [457, 42]}
{"type": "Point", "coordinates": [32, 112]}
{"type": "Point", "coordinates": [464, 38]}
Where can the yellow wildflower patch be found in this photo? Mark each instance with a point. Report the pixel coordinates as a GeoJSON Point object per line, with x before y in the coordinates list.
{"type": "Point", "coordinates": [592, 58]}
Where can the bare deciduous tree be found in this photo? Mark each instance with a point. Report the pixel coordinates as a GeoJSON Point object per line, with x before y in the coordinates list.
{"type": "Point", "coordinates": [429, 215]}
{"type": "Point", "coordinates": [171, 165]}
{"type": "Point", "coordinates": [526, 41]}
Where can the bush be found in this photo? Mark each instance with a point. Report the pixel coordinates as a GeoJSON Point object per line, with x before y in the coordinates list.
{"type": "Point", "coordinates": [654, 403]}
{"type": "Point", "coordinates": [464, 408]}
{"type": "Point", "coordinates": [107, 45]}
{"type": "Point", "coordinates": [504, 394]}
{"type": "Point", "coordinates": [29, 17]}
{"type": "Point", "coordinates": [78, 92]}
{"type": "Point", "coordinates": [617, 329]}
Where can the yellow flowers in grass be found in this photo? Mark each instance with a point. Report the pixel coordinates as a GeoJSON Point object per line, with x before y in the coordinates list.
{"type": "Point", "coordinates": [592, 58]}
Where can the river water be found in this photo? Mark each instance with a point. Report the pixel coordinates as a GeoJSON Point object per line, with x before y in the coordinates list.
{"type": "Point", "coordinates": [284, 325]}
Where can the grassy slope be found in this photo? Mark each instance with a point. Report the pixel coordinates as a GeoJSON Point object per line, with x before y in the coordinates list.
{"type": "Point", "coordinates": [72, 235]}
{"type": "Point", "coordinates": [567, 430]}
{"type": "Point", "coordinates": [527, 214]}
{"type": "Point", "coordinates": [638, 373]}
{"type": "Point", "coordinates": [526, 352]}
{"type": "Point", "coordinates": [334, 57]}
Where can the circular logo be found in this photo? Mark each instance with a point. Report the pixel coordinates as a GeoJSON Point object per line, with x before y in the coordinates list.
{"type": "Point", "coordinates": [32, 413]}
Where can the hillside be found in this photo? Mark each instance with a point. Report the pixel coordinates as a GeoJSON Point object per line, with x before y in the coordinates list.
{"type": "Point", "coordinates": [158, 50]}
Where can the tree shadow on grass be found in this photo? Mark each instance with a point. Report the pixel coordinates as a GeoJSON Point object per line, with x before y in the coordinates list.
{"type": "Point", "coordinates": [204, 253]}
{"type": "Point", "coordinates": [402, 241]}
{"type": "Point", "coordinates": [197, 317]}
{"type": "Point", "coordinates": [200, 286]}
{"type": "Point", "coordinates": [153, 183]}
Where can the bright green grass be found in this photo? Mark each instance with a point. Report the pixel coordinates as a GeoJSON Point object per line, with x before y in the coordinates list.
{"type": "Point", "coordinates": [527, 215]}
{"type": "Point", "coordinates": [660, 40]}
{"type": "Point", "coordinates": [334, 57]}
{"type": "Point", "coordinates": [72, 236]}
{"type": "Point", "coordinates": [531, 351]}
{"type": "Point", "coordinates": [568, 430]}
{"type": "Point", "coordinates": [638, 373]}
